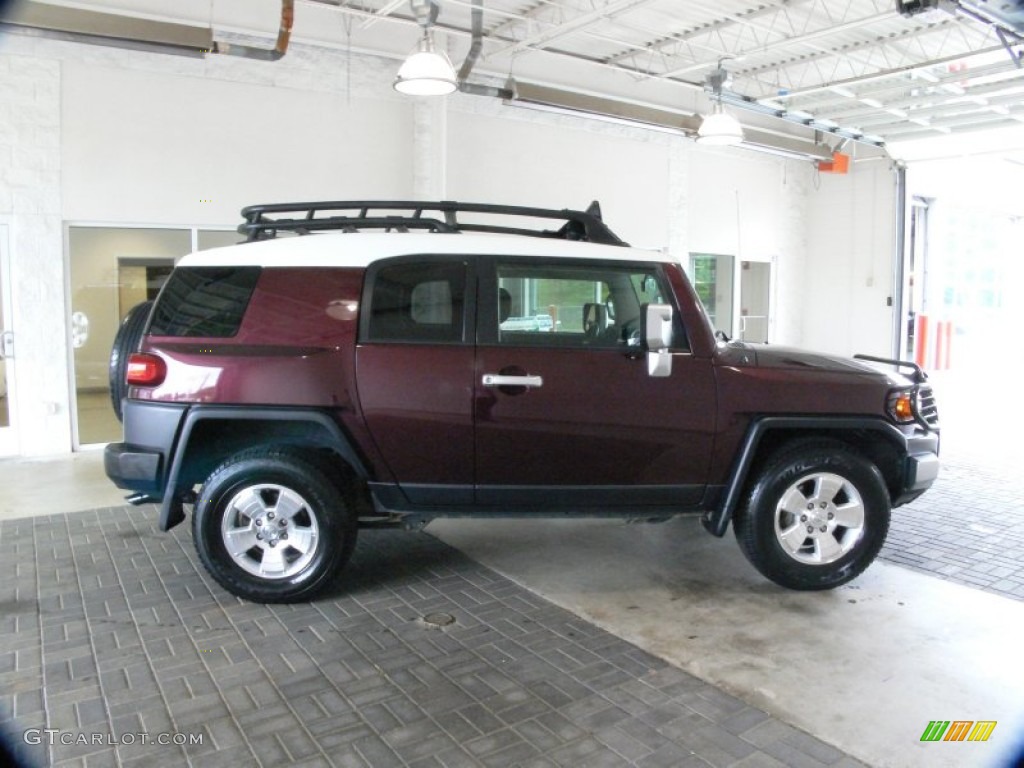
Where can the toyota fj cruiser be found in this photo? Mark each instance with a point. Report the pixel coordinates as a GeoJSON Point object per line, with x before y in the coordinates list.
{"type": "Point", "coordinates": [291, 389]}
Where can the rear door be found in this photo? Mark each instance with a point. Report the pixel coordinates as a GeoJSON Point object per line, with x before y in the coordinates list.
{"type": "Point", "coordinates": [566, 414]}
{"type": "Point", "coordinates": [414, 365]}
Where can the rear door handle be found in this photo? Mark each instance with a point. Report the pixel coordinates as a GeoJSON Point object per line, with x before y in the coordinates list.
{"type": "Point", "coordinates": [499, 380]}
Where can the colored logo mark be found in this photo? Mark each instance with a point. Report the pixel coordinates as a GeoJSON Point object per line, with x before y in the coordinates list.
{"type": "Point", "coordinates": [958, 730]}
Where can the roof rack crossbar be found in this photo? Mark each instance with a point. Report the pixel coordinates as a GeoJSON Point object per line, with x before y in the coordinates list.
{"type": "Point", "coordinates": [261, 221]}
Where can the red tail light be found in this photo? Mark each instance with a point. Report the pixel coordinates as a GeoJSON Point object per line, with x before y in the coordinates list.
{"type": "Point", "coordinates": [145, 370]}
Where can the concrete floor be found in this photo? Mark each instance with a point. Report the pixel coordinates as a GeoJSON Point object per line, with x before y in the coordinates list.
{"type": "Point", "coordinates": [863, 668]}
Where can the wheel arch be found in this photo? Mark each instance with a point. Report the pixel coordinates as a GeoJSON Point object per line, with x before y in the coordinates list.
{"type": "Point", "coordinates": [879, 441]}
{"type": "Point", "coordinates": [210, 434]}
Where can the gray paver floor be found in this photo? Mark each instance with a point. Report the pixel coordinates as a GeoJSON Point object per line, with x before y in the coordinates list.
{"type": "Point", "coordinates": [968, 528]}
{"type": "Point", "coordinates": [109, 627]}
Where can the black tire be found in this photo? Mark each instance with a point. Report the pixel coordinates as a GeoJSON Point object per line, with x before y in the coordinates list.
{"type": "Point", "coordinates": [266, 478]}
{"type": "Point", "coordinates": [791, 523]}
{"type": "Point", "coordinates": [126, 341]}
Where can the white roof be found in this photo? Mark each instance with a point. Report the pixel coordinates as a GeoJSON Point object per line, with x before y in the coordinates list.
{"type": "Point", "coordinates": [360, 249]}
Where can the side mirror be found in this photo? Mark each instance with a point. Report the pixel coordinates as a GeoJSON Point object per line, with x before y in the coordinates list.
{"type": "Point", "coordinates": [656, 332]}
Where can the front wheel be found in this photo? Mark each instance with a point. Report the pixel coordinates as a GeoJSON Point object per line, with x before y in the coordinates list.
{"type": "Point", "coordinates": [816, 516]}
{"type": "Point", "coordinates": [270, 526]}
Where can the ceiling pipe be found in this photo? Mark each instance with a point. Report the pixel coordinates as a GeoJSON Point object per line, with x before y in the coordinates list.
{"type": "Point", "coordinates": [477, 43]}
{"type": "Point", "coordinates": [284, 34]}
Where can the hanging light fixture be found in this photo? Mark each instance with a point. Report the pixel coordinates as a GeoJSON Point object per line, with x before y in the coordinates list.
{"type": "Point", "coordinates": [427, 71]}
{"type": "Point", "coordinates": [719, 128]}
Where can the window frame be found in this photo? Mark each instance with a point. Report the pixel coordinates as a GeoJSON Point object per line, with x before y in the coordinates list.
{"type": "Point", "coordinates": [469, 293]}
{"type": "Point", "coordinates": [487, 310]}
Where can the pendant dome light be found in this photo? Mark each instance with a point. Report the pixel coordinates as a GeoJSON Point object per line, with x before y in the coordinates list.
{"type": "Point", "coordinates": [719, 128]}
{"type": "Point", "coordinates": [427, 71]}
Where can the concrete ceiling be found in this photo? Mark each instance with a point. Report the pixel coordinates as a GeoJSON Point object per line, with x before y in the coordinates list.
{"type": "Point", "coordinates": [857, 65]}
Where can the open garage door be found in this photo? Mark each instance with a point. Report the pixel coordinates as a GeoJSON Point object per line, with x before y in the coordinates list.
{"type": "Point", "coordinates": [964, 293]}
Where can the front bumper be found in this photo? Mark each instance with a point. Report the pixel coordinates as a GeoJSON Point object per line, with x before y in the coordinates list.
{"type": "Point", "coordinates": [920, 468]}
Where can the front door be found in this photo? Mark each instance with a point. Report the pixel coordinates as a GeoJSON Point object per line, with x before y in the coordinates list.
{"type": "Point", "coordinates": [566, 413]}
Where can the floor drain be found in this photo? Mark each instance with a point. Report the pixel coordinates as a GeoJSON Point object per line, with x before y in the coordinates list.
{"type": "Point", "coordinates": [438, 620]}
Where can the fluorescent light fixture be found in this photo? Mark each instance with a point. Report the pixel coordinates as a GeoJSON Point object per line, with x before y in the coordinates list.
{"type": "Point", "coordinates": [720, 129]}
{"type": "Point", "coordinates": [427, 71]}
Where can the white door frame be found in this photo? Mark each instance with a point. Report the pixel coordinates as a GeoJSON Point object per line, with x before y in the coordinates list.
{"type": "Point", "coordinates": [9, 444]}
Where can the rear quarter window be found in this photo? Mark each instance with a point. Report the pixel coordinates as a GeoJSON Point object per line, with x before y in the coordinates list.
{"type": "Point", "coordinates": [204, 301]}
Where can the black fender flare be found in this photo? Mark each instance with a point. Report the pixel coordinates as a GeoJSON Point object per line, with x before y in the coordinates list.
{"type": "Point", "coordinates": [716, 520]}
{"type": "Point", "coordinates": [171, 511]}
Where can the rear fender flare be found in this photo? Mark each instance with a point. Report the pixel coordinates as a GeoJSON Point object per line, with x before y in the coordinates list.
{"type": "Point", "coordinates": [171, 511]}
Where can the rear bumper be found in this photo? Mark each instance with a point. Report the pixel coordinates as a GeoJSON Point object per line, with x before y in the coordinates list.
{"type": "Point", "coordinates": [141, 463]}
{"type": "Point", "coordinates": [134, 468]}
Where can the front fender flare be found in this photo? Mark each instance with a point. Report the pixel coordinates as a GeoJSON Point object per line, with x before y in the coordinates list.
{"type": "Point", "coordinates": [716, 521]}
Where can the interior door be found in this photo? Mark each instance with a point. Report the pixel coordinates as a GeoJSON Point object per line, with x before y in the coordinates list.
{"type": "Point", "coordinates": [8, 436]}
{"type": "Point", "coordinates": [566, 414]}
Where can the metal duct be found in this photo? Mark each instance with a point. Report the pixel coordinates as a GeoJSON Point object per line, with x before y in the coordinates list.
{"type": "Point", "coordinates": [284, 34]}
{"type": "Point", "coordinates": [475, 47]}
{"type": "Point", "coordinates": [478, 41]}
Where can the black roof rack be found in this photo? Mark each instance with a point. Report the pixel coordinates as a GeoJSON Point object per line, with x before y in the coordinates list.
{"type": "Point", "coordinates": [266, 221]}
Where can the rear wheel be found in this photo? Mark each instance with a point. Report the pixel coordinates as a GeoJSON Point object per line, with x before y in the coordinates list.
{"type": "Point", "coordinates": [816, 516]}
{"type": "Point", "coordinates": [126, 341]}
{"type": "Point", "coordinates": [271, 526]}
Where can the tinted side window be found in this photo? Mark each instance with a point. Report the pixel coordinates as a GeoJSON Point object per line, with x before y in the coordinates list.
{"type": "Point", "coordinates": [569, 305]}
{"type": "Point", "coordinates": [204, 301]}
{"type": "Point", "coordinates": [418, 302]}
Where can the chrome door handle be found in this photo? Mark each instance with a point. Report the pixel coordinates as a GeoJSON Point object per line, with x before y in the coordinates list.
{"type": "Point", "coordinates": [498, 380]}
{"type": "Point", "coordinates": [6, 345]}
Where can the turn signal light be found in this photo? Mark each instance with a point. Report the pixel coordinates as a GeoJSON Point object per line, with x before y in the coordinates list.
{"type": "Point", "coordinates": [901, 407]}
{"type": "Point", "coordinates": [145, 370]}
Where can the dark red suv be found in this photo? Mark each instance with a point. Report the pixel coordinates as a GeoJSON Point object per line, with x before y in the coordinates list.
{"type": "Point", "coordinates": [401, 361]}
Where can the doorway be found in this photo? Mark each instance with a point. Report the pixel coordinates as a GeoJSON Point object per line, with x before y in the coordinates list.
{"type": "Point", "coordinates": [712, 277]}
{"type": "Point", "coordinates": [736, 294]}
{"type": "Point", "coordinates": [755, 301]}
{"type": "Point", "coordinates": [112, 269]}
{"type": "Point", "coordinates": [8, 413]}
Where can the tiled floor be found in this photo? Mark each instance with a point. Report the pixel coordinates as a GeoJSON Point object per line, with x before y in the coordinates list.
{"type": "Point", "coordinates": [110, 628]}
{"type": "Point", "coordinates": [968, 528]}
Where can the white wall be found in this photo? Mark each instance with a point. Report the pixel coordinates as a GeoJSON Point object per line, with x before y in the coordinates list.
{"type": "Point", "coordinates": [154, 147]}
{"type": "Point", "coordinates": [102, 135]}
{"type": "Point", "coordinates": [754, 207]}
{"type": "Point", "coordinates": [510, 158]}
{"type": "Point", "coordinates": [850, 268]}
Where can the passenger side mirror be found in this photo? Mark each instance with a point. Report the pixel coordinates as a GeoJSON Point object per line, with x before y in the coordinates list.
{"type": "Point", "coordinates": [656, 331]}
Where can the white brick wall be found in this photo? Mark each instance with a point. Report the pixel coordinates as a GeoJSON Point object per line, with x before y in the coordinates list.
{"type": "Point", "coordinates": [30, 199]}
